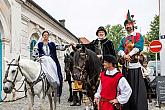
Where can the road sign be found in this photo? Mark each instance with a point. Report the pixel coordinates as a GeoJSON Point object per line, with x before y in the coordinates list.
{"type": "Point", "coordinates": [162, 36]}
{"type": "Point", "coordinates": [155, 46]}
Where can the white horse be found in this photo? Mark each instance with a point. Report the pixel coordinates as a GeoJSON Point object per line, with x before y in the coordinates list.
{"type": "Point", "coordinates": [35, 79]}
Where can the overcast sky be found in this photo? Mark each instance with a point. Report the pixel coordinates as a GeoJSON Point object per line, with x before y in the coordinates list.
{"type": "Point", "coordinates": [83, 17]}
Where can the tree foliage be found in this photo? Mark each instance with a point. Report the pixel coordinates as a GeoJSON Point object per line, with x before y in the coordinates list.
{"type": "Point", "coordinates": [153, 34]}
{"type": "Point", "coordinates": [115, 33]}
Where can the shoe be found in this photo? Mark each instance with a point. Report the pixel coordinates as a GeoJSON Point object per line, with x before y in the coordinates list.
{"type": "Point", "coordinates": [73, 104]}
{"type": "Point", "coordinates": [78, 104]}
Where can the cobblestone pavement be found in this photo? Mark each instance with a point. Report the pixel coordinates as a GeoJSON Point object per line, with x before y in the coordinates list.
{"type": "Point", "coordinates": [23, 103]}
{"type": "Point", "coordinates": [64, 105]}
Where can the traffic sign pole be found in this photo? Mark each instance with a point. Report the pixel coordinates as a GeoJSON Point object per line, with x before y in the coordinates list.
{"type": "Point", "coordinates": [156, 56]}
{"type": "Point", "coordinates": [155, 47]}
{"type": "Point", "coordinates": [157, 97]}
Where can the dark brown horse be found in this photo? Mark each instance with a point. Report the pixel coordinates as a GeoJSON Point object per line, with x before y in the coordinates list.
{"type": "Point", "coordinates": [86, 68]}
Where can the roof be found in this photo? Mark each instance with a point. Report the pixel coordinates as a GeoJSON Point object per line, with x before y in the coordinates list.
{"type": "Point", "coordinates": [84, 40]}
{"type": "Point", "coordinates": [47, 14]}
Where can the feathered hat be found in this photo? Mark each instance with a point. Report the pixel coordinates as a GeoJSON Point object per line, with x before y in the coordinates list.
{"type": "Point", "coordinates": [129, 19]}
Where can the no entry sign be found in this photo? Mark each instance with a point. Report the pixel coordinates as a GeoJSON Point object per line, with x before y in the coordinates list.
{"type": "Point", "coordinates": [155, 46]}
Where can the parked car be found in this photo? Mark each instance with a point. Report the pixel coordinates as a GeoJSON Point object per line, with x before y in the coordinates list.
{"type": "Point", "coordinates": [152, 74]}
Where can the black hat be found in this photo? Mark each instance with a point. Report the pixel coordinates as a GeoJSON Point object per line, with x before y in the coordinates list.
{"type": "Point", "coordinates": [101, 28]}
{"type": "Point", "coordinates": [110, 59]}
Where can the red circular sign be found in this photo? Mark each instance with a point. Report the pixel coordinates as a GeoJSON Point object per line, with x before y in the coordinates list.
{"type": "Point", "coordinates": [155, 46]}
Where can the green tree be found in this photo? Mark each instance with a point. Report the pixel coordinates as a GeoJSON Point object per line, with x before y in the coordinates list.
{"type": "Point", "coordinates": [153, 34]}
{"type": "Point", "coordinates": [115, 33]}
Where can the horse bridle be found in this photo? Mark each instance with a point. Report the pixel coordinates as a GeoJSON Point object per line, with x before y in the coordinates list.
{"type": "Point", "coordinates": [82, 69]}
{"type": "Point", "coordinates": [31, 84]}
{"type": "Point", "coordinates": [7, 73]}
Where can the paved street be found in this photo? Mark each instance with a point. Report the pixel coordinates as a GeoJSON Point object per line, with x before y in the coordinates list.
{"type": "Point", "coordinates": [22, 104]}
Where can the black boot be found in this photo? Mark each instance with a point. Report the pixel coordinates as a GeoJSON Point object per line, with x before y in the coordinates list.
{"type": "Point", "coordinates": [80, 98]}
{"type": "Point", "coordinates": [74, 103]}
{"type": "Point", "coordinates": [70, 91]}
{"type": "Point", "coordinates": [149, 96]}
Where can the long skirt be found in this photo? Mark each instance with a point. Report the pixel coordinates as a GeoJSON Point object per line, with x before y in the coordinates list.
{"type": "Point", "coordinates": [138, 99]}
{"type": "Point", "coordinates": [50, 69]}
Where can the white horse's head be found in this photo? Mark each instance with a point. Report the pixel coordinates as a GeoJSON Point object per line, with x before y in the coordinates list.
{"type": "Point", "coordinates": [12, 75]}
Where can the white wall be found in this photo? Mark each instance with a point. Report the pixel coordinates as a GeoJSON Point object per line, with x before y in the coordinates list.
{"type": "Point", "coordinates": [162, 32]}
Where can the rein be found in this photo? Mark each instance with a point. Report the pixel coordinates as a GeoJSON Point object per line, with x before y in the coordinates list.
{"type": "Point", "coordinates": [41, 77]}
{"type": "Point", "coordinates": [82, 69]}
{"type": "Point", "coordinates": [7, 72]}
{"type": "Point", "coordinates": [11, 100]}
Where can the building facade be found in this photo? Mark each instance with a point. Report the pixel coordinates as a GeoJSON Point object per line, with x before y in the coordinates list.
{"type": "Point", "coordinates": [21, 25]}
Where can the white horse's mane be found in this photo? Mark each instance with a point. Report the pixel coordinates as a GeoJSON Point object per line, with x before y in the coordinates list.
{"type": "Point", "coordinates": [31, 69]}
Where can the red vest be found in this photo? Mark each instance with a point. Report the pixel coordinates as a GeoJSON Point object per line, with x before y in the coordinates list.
{"type": "Point", "coordinates": [109, 85]}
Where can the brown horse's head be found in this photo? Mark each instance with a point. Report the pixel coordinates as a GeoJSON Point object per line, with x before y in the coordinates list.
{"type": "Point", "coordinates": [79, 64]}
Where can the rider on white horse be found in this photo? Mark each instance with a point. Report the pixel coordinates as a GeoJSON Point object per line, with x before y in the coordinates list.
{"type": "Point", "coordinates": [48, 55]}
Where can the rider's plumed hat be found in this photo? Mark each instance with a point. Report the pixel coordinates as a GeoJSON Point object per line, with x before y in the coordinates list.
{"type": "Point", "coordinates": [129, 19]}
{"type": "Point", "coordinates": [110, 59]}
{"type": "Point", "coordinates": [101, 28]}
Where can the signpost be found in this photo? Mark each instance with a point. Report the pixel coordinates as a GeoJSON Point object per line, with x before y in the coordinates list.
{"type": "Point", "coordinates": [155, 47]}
